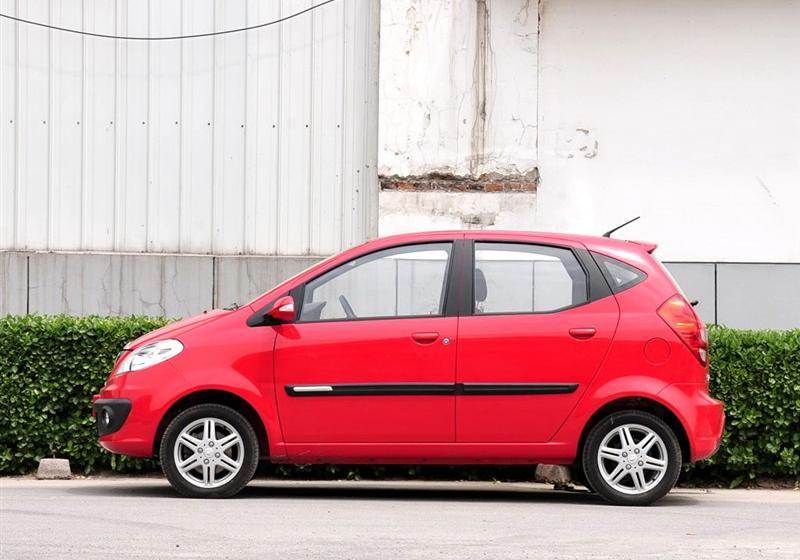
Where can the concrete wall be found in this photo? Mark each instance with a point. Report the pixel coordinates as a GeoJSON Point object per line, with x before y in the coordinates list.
{"type": "Point", "coordinates": [741, 295]}
{"type": "Point", "coordinates": [258, 143]}
{"type": "Point", "coordinates": [684, 112]}
{"type": "Point", "coordinates": [409, 211]}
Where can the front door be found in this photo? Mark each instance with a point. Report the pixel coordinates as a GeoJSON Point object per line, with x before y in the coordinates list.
{"type": "Point", "coordinates": [530, 346]}
{"type": "Point", "coordinates": [371, 357]}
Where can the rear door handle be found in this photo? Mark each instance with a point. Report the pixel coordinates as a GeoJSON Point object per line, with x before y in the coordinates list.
{"type": "Point", "coordinates": [425, 337]}
{"type": "Point", "coordinates": [582, 333]}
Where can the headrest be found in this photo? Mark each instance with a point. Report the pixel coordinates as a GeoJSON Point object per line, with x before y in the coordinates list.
{"type": "Point", "coordinates": [480, 286]}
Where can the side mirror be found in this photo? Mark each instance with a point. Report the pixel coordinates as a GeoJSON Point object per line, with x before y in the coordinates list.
{"type": "Point", "coordinates": [283, 309]}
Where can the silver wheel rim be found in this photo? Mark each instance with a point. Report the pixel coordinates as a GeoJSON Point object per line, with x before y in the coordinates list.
{"type": "Point", "coordinates": [632, 459]}
{"type": "Point", "coordinates": [209, 452]}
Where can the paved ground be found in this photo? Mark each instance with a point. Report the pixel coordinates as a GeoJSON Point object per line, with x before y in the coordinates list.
{"type": "Point", "coordinates": [143, 518]}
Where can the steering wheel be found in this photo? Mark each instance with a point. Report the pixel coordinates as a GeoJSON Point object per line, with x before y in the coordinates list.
{"type": "Point", "coordinates": [348, 309]}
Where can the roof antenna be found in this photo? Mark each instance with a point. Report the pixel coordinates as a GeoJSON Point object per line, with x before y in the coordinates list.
{"type": "Point", "coordinates": [609, 232]}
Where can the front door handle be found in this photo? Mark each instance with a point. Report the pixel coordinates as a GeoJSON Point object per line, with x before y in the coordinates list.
{"type": "Point", "coordinates": [582, 333]}
{"type": "Point", "coordinates": [425, 337]}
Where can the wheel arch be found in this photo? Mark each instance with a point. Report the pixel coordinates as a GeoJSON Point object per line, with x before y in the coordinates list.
{"type": "Point", "coordinates": [215, 396]}
{"type": "Point", "coordinates": [638, 403]}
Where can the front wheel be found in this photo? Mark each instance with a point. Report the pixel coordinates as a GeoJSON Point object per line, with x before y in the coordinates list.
{"type": "Point", "coordinates": [209, 451]}
{"type": "Point", "coordinates": [632, 458]}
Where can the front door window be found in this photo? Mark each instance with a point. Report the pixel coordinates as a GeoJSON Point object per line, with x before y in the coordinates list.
{"type": "Point", "coordinates": [406, 281]}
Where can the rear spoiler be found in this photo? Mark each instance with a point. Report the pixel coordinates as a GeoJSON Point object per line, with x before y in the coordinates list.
{"type": "Point", "coordinates": [646, 245]}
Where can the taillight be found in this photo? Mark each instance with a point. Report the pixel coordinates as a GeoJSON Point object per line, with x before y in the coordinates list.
{"type": "Point", "coordinates": [680, 316]}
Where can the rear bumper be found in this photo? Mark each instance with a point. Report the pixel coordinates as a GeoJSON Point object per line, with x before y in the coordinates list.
{"type": "Point", "coordinates": [702, 416]}
{"type": "Point", "coordinates": [713, 418]}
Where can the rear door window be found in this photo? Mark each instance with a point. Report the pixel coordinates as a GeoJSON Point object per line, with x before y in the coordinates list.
{"type": "Point", "coordinates": [526, 278]}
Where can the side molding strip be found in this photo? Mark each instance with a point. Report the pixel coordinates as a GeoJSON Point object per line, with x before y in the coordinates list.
{"type": "Point", "coordinates": [517, 388]}
{"type": "Point", "coordinates": [410, 389]}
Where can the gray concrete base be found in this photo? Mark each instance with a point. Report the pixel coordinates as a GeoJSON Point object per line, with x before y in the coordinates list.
{"type": "Point", "coordinates": [124, 284]}
{"type": "Point", "coordinates": [743, 295]}
{"type": "Point", "coordinates": [54, 469]}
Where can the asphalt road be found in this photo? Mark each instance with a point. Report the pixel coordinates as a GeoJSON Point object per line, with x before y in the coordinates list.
{"type": "Point", "coordinates": [143, 518]}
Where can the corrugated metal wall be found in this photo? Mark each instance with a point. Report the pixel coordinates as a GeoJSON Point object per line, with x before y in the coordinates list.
{"type": "Point", "coordinates": [257, 143]}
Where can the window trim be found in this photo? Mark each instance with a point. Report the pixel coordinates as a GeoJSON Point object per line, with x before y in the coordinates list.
{"type": "Point", "coordinates": [447, 309]}
{"type": "Point", "coordinates": [594, 290]}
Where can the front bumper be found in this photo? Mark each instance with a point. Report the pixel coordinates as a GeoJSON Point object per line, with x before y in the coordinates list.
{"type": "Point", "coordinates": [110, 414]}
{"type": "Point", "coordinates": [150, 392]}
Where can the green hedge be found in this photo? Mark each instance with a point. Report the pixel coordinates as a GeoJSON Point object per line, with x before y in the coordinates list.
{"type": "Point", "coordinates": [50, 367]}
{"type": "Point", "coordinates": [757, 375]}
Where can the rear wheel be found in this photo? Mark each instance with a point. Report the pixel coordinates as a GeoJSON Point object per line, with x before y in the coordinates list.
{"type": "Point", "coordinates": [209, 451]}
{"type": "Point", "coordinates": [632, 458]}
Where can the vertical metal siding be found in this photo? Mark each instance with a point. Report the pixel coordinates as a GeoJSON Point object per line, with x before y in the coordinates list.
{"type": "Point", "coordinates": [255, 143]}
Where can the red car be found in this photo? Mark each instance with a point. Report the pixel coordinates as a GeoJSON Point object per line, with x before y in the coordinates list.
{"type": "Point", "coordinates": [470, 347]}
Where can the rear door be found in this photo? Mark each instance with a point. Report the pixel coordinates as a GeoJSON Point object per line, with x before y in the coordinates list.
{"type": "Point", "coordinates": [371, 358]}
{"type": "Point", "coordinates": [536, 331]}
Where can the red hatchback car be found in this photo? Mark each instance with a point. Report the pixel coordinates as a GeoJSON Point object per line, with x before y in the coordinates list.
{"type": "Point", "coordinates": [469, 347]}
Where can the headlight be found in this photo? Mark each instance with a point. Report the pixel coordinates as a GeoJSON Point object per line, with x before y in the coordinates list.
{"type": "Point", "coordinates": [150, 355]}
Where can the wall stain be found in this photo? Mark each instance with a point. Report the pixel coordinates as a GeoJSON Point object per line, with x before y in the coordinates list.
{"type": "Point", "coordinates": [480, 79]}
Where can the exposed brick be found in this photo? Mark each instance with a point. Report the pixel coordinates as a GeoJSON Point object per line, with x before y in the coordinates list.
{"type": "Point", "coordinates": [438, 182]}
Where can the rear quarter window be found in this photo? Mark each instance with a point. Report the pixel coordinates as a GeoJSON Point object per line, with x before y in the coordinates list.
{"type": "Point", "coordinates": [619, 275]}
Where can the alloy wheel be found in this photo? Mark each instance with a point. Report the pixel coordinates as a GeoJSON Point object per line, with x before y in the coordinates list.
{"type": "Point", "coordinates": [632, 459]}
{"type": "Point", "coordinates": [209, 452]}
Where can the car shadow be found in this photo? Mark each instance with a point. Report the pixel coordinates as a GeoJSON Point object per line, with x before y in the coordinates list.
{"type": "Point", "coordinates": [265, 490]}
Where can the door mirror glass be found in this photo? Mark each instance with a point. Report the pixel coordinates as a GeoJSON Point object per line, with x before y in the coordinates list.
{"type": "Point", "coordinates": [283, 309]}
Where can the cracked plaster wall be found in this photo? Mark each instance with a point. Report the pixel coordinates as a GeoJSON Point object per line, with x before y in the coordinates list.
{"type": "Point", "coordinates": [682, 112]}
{"type": "Point", "coordinates": [451, 99]}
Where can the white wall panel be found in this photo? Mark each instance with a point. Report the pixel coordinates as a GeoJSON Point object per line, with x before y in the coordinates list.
{"type": "Point", "coordinates": [66, 130]}
{"type": "Point", "coordinates": [33, 138]}
{"type": "Point", "coordinates": [99, 136]}
{"type": "Point", "coordinates": [132, 116]}
{"type": "Point", "coordinates": [197, 134]}
{"type": "Point", "coordinates": [9, 63]}
{"type": "Point", "coordinates": [294, 125]}
{"type": "Point", "coordinates": [164, 185]}
{"type": "Point", "coordinates": [257, 143]}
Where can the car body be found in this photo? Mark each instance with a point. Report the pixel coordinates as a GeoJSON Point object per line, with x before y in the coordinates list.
{"type": "Point", "coordinates": [461, 347]}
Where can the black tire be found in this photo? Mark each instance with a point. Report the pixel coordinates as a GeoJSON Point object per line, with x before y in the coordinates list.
{"type": "Point", "coordinates": [249, 448]}
{"type": "Point", "coordinates": [591, 448]}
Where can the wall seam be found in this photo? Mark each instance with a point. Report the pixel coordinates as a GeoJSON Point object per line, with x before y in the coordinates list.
{"type": "Point", "coordinates": [28, 285]}
{"type": "Point", "coordinates": [716, 307]}
{"type": "Point", "coordinates": [538, 75]}
{"type": "Point", "coordinates": [214, 290]}
{"type": "Point", "coordinates": [48, 225]}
